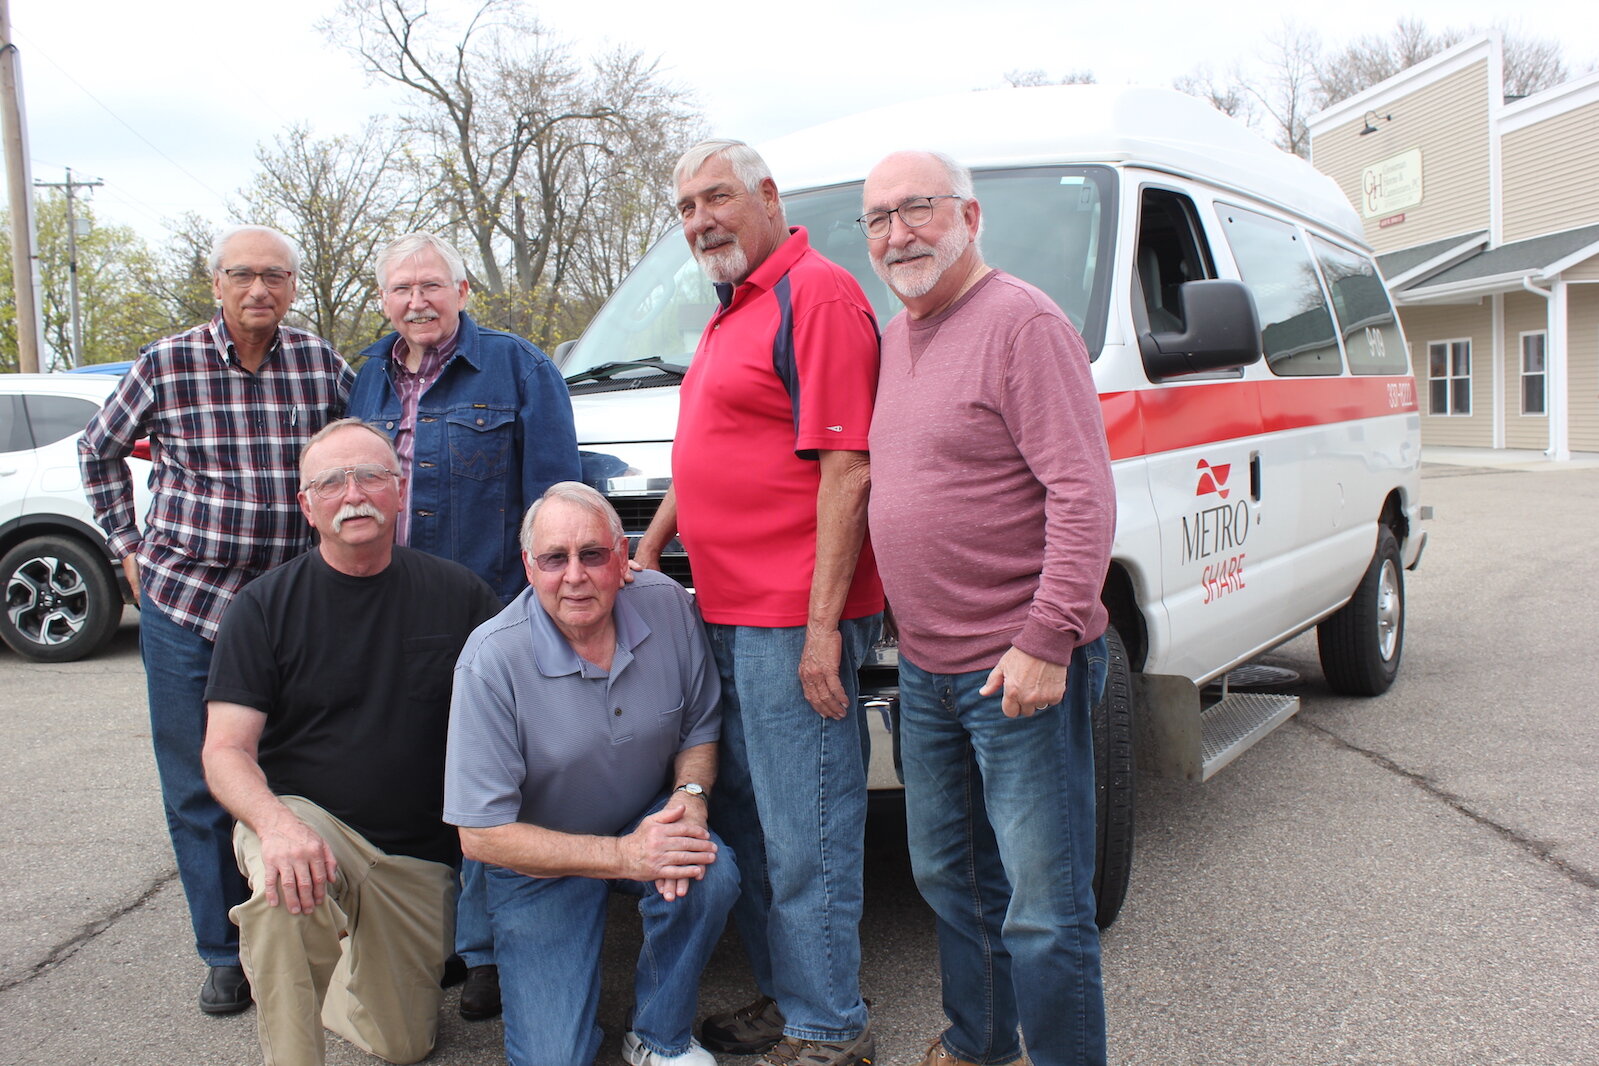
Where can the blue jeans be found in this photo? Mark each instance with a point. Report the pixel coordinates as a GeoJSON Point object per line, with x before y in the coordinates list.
{"type": "Point", "coordinates": [548, 932]}
{"type": "Point", "coordinates": [176, 663]}
{"type": "Point", "coordinates": [1000, 814]}
{"type": "Point", "coordinates": [790, 798]}
{"type": "Point", "coordinates": [474, 939]}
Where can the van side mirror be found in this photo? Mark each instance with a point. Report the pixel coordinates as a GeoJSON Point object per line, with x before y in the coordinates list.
{"type": "Point", "coordinates": [1223, 332]}
{"type": "Point", "coordinates": [559, 356]}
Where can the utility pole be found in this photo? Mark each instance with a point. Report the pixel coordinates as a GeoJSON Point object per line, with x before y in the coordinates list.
{"type": "Point", "coordinates": [21, 197]}
{"type": "Point", "coordinates": [72, 252]}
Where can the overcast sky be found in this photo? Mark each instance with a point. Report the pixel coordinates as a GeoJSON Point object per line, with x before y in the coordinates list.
{"type": "Point", "coordinates": [166, 101]}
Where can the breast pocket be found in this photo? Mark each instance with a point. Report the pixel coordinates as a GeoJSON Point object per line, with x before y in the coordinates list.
{"type": "Point", "coordinates": [429, 665]}
{"type": "Point", "coordinates": [481, 439]}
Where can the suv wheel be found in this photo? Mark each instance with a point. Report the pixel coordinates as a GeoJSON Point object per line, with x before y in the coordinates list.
{"type": "Point", "coordinates": [61, 601]}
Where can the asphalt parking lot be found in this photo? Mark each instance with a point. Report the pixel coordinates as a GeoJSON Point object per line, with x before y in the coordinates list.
{"type": "Point", "coordinates": [1411, 879]}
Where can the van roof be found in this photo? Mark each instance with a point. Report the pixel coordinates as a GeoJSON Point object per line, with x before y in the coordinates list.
{"type": "Point", "coordinates": [1158, 128]}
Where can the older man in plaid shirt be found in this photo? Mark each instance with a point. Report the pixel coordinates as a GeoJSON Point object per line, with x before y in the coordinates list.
{"type": "Point", "coordinates": [227, 407]}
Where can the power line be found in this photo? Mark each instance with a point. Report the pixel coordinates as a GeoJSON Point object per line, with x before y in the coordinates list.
{"type": "Point", "coordinates": [223, 200]}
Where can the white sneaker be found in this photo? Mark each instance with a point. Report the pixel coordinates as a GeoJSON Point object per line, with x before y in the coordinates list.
{"type": "Point", "coordinates": [636, 1054]}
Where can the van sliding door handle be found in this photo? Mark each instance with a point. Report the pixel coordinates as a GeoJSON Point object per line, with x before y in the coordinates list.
{"type": "Point", "coordinates": [1254, 475]}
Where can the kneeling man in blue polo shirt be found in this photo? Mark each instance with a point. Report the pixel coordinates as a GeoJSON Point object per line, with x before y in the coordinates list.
{"type": "Point", "coordinates": [581, 757]}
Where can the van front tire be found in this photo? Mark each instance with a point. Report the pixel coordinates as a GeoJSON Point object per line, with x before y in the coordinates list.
{"type": "Point", "coordinates": [1362, 643]}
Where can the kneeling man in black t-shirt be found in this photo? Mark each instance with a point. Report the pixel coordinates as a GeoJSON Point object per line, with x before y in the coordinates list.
{"type": "Point", "coordinates": [329, 704]}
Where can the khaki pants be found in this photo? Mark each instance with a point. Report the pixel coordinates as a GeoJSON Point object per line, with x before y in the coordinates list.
{"type": "Point", "coordinates": [366, 963]}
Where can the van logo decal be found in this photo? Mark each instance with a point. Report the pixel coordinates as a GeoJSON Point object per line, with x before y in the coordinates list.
{"type": "Point", "coordinates": [1213, 479]}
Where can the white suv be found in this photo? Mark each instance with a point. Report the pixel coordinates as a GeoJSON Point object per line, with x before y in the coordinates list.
{"type": "Point", "coordinates": [62, 594]}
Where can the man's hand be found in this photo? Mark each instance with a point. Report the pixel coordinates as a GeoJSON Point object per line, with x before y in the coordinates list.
{"type": "Point", "coordinates": [818, 672]}
{"type": "Point", "coordinates": [130, 567]}
{"type": "Point", "coordinates": [695, 812]}
{"type": "Point", "coordinates": [298, 865]}
{"type": "Point", "coordinates": [1030, 684]}
{"type": "Point", "coordinates": [669, 849]}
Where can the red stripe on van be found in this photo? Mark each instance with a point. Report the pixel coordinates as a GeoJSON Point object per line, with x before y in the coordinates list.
{"type": "Point", "coordinates": [1149, 421]}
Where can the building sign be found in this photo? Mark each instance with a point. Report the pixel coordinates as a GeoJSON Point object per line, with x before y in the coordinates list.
{"type": "Point", "coordinates": [1391, 185]}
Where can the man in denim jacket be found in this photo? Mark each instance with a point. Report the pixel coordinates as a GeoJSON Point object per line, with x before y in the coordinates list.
{"type": "Point", "coordinates": [482, 423]}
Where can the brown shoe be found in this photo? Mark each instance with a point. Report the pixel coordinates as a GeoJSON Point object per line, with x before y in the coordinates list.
{"type": "Point", "coordinates": [751, 1029]}
{"type": "Point", "coordinates": [859, 1051]}
{"type": "Point", "coordinates": [939, 1055]}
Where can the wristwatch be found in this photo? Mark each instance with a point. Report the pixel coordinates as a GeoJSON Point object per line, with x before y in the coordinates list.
{"type": "Point", "coordinates": [694, 790]}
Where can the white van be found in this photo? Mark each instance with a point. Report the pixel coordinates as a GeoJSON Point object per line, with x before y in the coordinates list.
{"type": "Point", "coordinates": [1255, 386]}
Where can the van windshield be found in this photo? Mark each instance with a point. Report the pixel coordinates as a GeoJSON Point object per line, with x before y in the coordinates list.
{"type": "Point", "coordinates": [1052, 226]}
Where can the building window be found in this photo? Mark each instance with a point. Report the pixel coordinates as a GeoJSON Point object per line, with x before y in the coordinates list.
{"type": "Point", "coordinates": [1534, 379]}
{"type": "Point", "coordinates": [1449, 377]}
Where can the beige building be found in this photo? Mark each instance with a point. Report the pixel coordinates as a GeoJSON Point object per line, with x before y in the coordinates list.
{"type": "Point", "coordinates": [1485, 218]}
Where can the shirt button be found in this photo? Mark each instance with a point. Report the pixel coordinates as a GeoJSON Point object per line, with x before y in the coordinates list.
{"type": "Point", "coordinates": [480, 421]}
{"type": "Point", "coordinates": [388, 425]}
{"type": "Point", "coordinates": [617, 712]}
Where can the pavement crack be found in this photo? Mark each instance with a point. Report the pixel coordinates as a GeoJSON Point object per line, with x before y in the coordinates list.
{"type": "Point", "coordinates": [69, 947]}
{"type": "Point", "coordinates": [1538, 849]}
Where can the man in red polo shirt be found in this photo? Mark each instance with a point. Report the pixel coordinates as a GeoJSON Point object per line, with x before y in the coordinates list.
{"type": "Point", "coordinates": [769, 494]}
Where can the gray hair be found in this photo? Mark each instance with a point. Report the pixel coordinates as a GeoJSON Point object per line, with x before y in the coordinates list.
{"type": "Point", "coordinates": [345, 423]}
{"type": "Point", "coordinates": [579, 495]}
{"type": "Point", "coordinates": [960, 183]}
{"type": "Point", "coordinates": [748, 166]}
{"type": "Point", "coordinates": [411, 244]}
{"type": "Point", "coordinates": [219, 246]}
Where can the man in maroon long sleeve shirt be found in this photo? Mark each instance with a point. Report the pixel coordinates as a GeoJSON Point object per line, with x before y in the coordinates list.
{"type": "Point", "coordinates": [992, 509]}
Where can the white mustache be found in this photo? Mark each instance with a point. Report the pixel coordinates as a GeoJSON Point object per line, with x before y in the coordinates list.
{"type": "Point", "coordinates": [356, 510]}
{"type": "Point", "coordinates": [707, 241]}
{"type": "Point", "coordinates": [421, 316]}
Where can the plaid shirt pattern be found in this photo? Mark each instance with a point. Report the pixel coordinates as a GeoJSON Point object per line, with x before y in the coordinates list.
{"type": "Point", "coordinates": [409, 386]}
{"type": "Point", "coordinates": [225, 445]}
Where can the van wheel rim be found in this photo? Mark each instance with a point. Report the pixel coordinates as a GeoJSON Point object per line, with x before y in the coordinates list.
{"type": "Point", "coordinates": [1389, 607]}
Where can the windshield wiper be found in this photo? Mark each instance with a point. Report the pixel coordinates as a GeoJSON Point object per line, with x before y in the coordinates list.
{"type": "Point", "coordinates": [606, 371]}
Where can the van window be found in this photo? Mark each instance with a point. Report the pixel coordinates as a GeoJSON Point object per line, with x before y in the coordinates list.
{"type": "Point", "coordinates": [1051, 226]}
{"type": "Point", "coordinates": [1295, 325]}
{"type": "Point", "coordinates": [1171, 250]}
{"type": "Point", "coordinates": [1372, 343]}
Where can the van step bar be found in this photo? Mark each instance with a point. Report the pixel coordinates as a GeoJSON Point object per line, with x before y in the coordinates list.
{"type": "Point", "coordinates": [1179, 740]}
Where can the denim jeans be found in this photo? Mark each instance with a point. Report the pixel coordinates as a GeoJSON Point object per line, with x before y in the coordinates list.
{"type": "Point", "coordinates": [548, 933]}
{"type": "Point", "coordinates": [176, 663]}
{"type": "Point", "coordinates": [1000, 814]}
{"type": "Point", "coordinates": [474, 939]}
{"type": "Point", "coordinates": [790, 798]}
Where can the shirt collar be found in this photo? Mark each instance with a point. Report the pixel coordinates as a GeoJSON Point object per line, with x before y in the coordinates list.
{"type": "Point", "coordinates": [555, 657]}
{"type": "Point", "coordinates": [771, 270]}
{"type": "Point", "coordinates": [225, 347]}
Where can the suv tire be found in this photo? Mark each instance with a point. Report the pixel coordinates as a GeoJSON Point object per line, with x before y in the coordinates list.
{"type": "Point", "coordinates": [60, 600]}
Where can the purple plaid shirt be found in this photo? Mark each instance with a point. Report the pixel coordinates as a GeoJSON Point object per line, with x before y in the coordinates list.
{"type": "Point", "coordinates": [225, 445]}
{"type": "Point", "coordinates": [409, 386]}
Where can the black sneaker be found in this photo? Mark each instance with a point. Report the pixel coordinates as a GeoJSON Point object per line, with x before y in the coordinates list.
{"type": "Point", "coordinates": [480, 996]}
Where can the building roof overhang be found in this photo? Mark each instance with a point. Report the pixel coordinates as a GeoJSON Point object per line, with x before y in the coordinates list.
{"type": "Point", "coordinates": [1507, 268]}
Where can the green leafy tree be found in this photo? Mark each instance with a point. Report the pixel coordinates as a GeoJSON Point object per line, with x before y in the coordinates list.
{"type": "Point", "coordinates": [120, 305]}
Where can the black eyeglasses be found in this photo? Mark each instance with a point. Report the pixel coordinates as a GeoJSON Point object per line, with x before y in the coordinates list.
{"type": "Point", "coordinates": [369, 478]}
{"type": "Point", "coordinates": [555, 562]}
{"type": "Point", "coordinates": [917, 211]}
